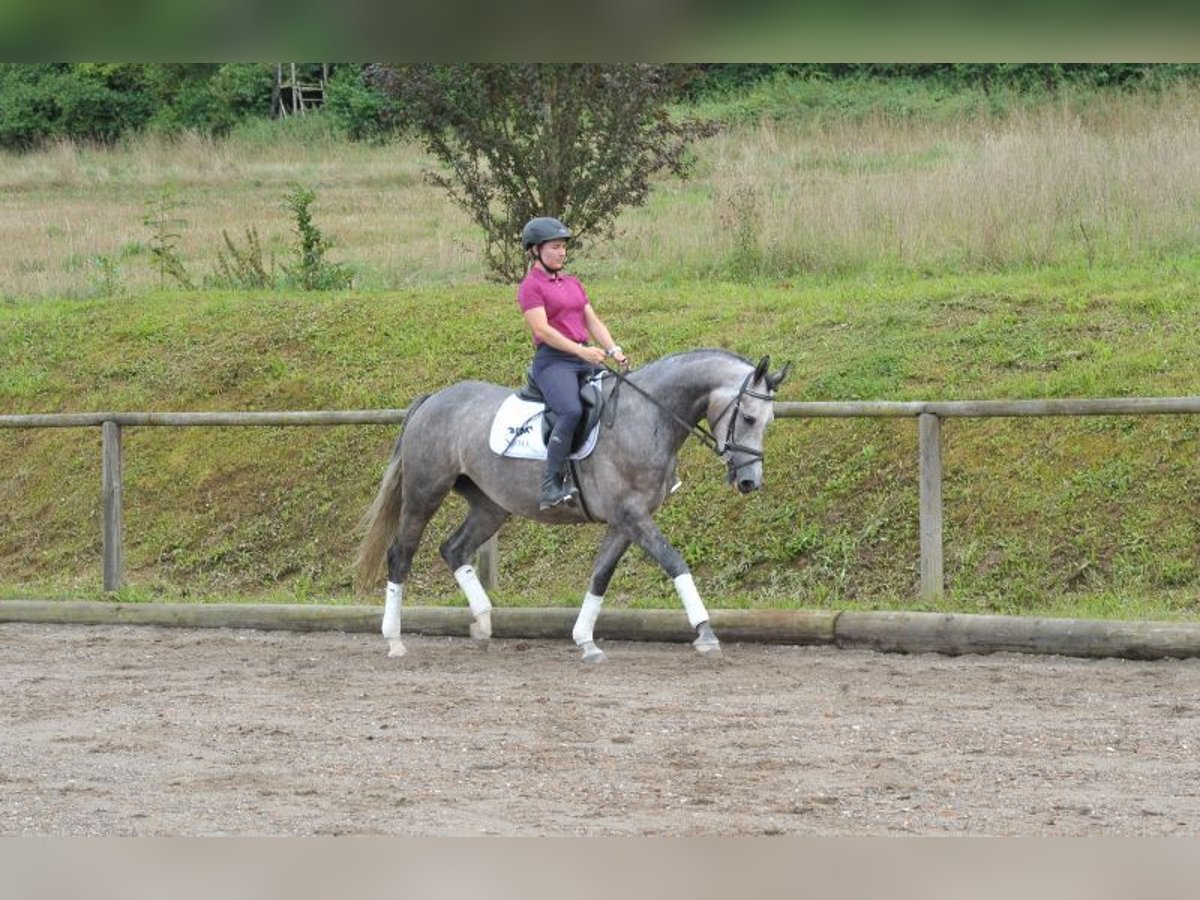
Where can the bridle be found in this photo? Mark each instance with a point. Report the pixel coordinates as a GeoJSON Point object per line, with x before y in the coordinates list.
{"type": "Point", "coordinates": [724, 449]}
{"type": "Point", "coordinates": [729, 447]}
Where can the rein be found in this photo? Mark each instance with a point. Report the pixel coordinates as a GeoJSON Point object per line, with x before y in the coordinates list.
{"type": "Point", "coordinates": [706, 437]}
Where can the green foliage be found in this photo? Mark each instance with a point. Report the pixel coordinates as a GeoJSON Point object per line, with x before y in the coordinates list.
{"type": "Point", "coordinates": [104, 101]}
{"type": "Point", "coordinates": [163, 223]}
{"type": "Point", "coordinates": [108, 277]}
{"type": "Point", "coordinates": [238, 91]}
{"type": "Point", "coordinates": [576, 141]}
{"type": "Point", "coordinates": [55, 100]}
{"type": "Point", "coordinates": [717, 78]}
{"type": "Point", "coordinates": [318, 130]}
{"type": "Point", "coordinates": [816, 101]}
{"type": "Point", "coordinates": [311, 271]}
{"type": "Point", "coordinates": [1047, 516]}
{"type": "Point", "coordinates": [362, 112]}
{"type": "Point", "coordinates": [242, 267]}
{"type": "Point", "coordinates": [40, 102]}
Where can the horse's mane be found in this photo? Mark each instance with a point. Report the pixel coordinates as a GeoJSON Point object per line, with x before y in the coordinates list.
{"type": "Point", "coordinates": [716, 351]}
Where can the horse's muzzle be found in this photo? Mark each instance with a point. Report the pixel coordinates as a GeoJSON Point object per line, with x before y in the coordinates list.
{"type": "Point", "coordinates": [748, 485]}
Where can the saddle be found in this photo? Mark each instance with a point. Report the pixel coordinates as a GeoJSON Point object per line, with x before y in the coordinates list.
{"type": "Point", "coordinates": [590, 394]}
{"type": "Point", "coordinates": [515, 431]}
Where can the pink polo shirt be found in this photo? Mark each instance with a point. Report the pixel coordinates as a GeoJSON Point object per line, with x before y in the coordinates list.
{"type": "Point", "coordinates": [563, 298]}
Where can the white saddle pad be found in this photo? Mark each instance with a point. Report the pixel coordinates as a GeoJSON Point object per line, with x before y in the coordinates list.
{"type": "Point", "coordinates": [517, 431]}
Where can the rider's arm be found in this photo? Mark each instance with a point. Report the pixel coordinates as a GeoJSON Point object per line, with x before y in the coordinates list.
{"type": "Point", "coordinates": [599, 332]}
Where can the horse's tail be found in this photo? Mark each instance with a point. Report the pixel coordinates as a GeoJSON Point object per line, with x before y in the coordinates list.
{"type": "Point", "coordinates": [383, 516]}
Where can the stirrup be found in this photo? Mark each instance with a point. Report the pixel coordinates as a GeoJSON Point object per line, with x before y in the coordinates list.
{"type": "Point", "coordinates": [563, 494]}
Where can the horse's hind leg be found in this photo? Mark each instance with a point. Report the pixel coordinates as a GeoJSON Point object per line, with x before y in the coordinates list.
{"type": "Point", "coordinates": [415, 513]}
{"type": "Point", "coordinates": [483, 520]}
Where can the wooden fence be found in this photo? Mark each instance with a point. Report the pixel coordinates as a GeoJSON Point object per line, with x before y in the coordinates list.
{"type": "Point", "coordinates": [929, 416]}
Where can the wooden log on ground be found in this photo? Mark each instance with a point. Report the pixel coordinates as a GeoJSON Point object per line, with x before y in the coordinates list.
{"type": "Point", "coordinates": [266, 616]}
{"type": "Point", "coordinates": [890, 632]}
{"type": "Point", "coordinates": [954, 634]}
{"type": "Point", "coordinates": [555, 623]}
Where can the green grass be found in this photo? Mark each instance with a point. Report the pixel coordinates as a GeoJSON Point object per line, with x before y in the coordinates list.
{"type": "Point", "coordinates": [1089, 517]}
{"type": "Point", "coordinates": [894, 240]}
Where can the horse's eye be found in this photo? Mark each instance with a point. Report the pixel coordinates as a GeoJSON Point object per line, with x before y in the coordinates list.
{"type": "Point", "coordinates": [749, 420]}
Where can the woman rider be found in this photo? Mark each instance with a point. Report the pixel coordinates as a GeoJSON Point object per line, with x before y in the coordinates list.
{"type": "Point", "coordinates": [558, 313]}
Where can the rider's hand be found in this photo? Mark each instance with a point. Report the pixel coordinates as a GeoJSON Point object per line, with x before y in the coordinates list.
{"type": "Point", "coordinates": [594, 355]}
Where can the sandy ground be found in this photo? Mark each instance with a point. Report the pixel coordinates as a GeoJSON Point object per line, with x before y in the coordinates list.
{"type": "Point", "coordinates": [151, 731]}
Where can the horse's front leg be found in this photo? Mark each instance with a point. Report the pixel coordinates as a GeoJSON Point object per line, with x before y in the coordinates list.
{"type": "Point", "coordinates": [641, 528]}
{"type": "Point", "coordinates": [612, 548]}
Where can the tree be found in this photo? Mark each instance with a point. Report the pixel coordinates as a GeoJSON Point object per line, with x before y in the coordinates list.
{"type": "Point", "coordinates": [575, 141]}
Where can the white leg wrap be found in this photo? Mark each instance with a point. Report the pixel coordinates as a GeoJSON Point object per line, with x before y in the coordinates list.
{"type": "Point", "coordinates": [588, 613]}
{"type": "Point", "coordinates": [391, 610]}
{"type": "Point", "coordinates": [685, 586]}
{"type": "Point", "coordinates": [391, 619]}
{"type": "Point", "coordinates": [477, 597]}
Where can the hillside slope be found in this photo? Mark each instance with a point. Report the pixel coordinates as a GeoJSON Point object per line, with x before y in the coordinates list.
{"type": "Point", "coordinates": [1041, 515]}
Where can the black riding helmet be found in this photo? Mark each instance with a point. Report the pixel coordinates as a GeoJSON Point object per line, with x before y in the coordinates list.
{"type": "Point", "coordinates": [538, 231]}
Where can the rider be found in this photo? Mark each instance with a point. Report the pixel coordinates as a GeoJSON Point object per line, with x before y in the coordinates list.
{"type": "Point", "coordinates": [558, 313]}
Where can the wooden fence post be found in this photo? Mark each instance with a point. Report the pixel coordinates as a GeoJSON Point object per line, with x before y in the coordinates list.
{"type": "Point", "coordinates": [110, 479]}
{"type": "Point", "coordinates": [929, 428]}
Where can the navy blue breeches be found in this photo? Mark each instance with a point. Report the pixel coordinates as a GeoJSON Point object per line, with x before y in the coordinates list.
{"type": "Point", "coordinates": [558, 376]}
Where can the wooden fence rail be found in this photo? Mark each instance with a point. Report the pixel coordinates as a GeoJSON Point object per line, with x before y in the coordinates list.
{"type": "Point", "coordinates": [929, 417]}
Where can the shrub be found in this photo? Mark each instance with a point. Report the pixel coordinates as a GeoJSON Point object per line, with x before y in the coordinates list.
{"type": "Point", "coordinates": [162, 221]}
{"type": "Point", "coordinates": [312, 272]}
{"type": "Point", "coordinates": [242, 268]}
{"type": "Point", "coordinates": [361, 112]}
{"type": "Point", "coordinates": [44, 102]}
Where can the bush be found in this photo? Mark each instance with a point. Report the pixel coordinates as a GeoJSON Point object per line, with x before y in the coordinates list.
{"type": "Point", "coordinates": [239, 91]}
{"type": "Point", "coordinates": [361, 112]}
{"type": "Point", "coordinates": [103, 101]}
{"type": "Point", "coordinates": [242, 268]}
{"type": "Point", "coordinates": [45, 102]}
{"type": "Point", "coordinates": [312, 272]}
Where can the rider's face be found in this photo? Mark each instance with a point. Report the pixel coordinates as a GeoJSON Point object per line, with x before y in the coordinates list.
{"type": "Point", "coordinates": [554, 254]}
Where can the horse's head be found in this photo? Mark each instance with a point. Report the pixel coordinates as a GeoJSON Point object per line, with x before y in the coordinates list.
{"type": "Point", "coordinates": [739, 418]}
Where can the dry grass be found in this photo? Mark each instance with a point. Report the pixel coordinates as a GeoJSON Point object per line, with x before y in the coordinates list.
{"type": "Point", "coordinates": [1115, 180]}
{"type": "Point", "coordinates": [1118, 180]}
{"type": "Point", "coordinates": [69, 204]}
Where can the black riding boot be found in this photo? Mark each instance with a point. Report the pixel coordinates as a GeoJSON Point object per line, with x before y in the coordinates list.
{"type": "Point", "coordinates": [554, 488]}
{"type": "Point", "coordinates": [553, 491]}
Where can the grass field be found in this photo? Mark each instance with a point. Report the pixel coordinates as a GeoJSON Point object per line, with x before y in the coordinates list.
{"type": "Point", "coordinates": [1040, 251]}
{"type": "Point", "coordinates": [914, 183]}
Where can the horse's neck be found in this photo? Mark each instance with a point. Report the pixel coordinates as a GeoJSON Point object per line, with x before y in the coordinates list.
{"type": "Point", "coordinates": [685, 384]}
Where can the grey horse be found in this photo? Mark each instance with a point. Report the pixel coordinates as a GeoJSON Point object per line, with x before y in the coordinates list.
{"type": "Point", "coordinates": [444, 446]}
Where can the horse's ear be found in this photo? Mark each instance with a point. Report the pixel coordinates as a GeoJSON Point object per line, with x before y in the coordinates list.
{"type": "Point", "coordinates": [761, 370]}
{"type": "Point", "coordinates": [776, 379]}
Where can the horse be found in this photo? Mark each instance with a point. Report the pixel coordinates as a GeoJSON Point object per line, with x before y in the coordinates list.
{"type": "Point", "coordinates": [443, 447]}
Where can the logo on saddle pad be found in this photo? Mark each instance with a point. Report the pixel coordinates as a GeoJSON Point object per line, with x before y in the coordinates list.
{"type": "Point", "coordinates": [520, 429]}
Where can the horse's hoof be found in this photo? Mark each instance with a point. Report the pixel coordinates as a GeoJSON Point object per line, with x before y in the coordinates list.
{"type": "Point", "coordinates": [396, 647]}
{"type": "Point", "coordinates": [480, 635]}
{"type": "Point", "coordinates": [592, 655]}
{"type": "Point", "coordinates": [707, 646]}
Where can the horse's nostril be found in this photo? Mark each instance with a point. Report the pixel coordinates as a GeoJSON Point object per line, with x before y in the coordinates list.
{"type": "Point", "coordinates": [746, 485]}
